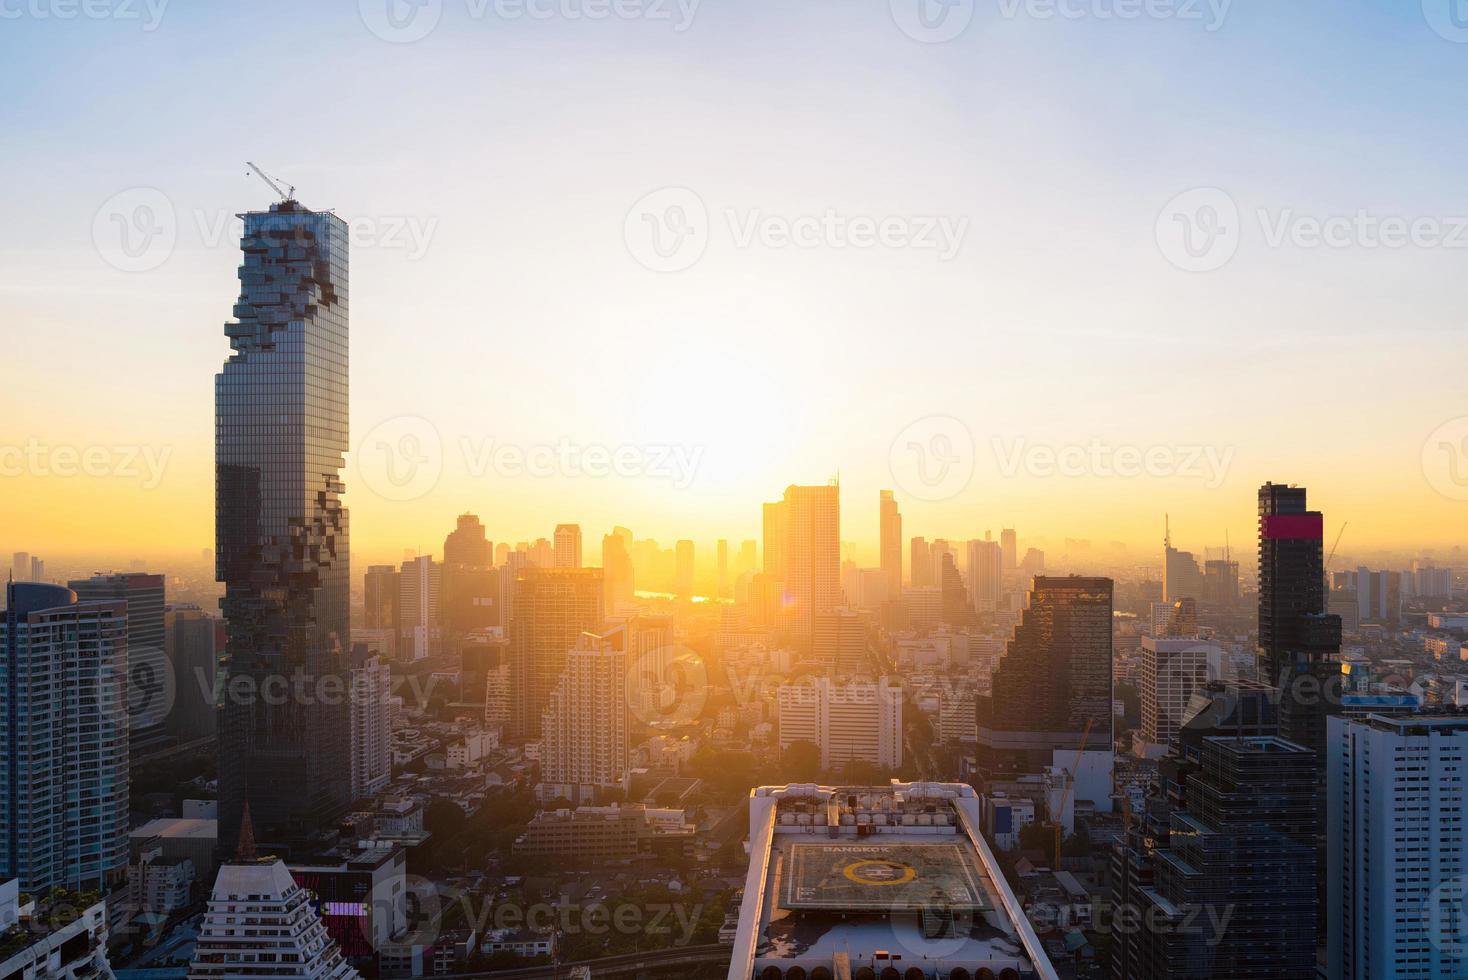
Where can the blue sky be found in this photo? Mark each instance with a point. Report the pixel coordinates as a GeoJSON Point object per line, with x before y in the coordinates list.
{"type": "Point", "coordinates": [515, 147]}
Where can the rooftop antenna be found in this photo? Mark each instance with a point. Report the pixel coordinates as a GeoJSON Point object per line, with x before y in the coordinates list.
{"type": "Point", "coordinates": [289, 194]}
{"type": "Point", "coordinates": [1167, 530]}
{"type": "Point", "coordinates": [1228, 554]}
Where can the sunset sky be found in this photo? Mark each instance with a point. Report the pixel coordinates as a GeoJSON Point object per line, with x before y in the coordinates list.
{"type": "Point", "coordinates": [501, 296]}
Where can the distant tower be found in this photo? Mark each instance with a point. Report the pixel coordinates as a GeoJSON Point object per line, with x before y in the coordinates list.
{"type": "Point", "coordinates": [683, 573]}
{"type": "Point", "coordinates": [584, 733]}
{"type": "Point", "coordinates": [568, 546]}
{"type": "Point", "coordinates": [890, 531]}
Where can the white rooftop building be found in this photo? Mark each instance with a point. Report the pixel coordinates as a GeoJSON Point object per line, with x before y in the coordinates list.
{"type": "Point", "coordinates": [261, 926]}
{"type": "Point", "coordinates": [877, 883]}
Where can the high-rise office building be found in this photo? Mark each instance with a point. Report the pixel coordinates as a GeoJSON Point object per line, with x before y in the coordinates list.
{"type": "Point", "coordinates": [64, 747]}
{"type": "Point", "coordinates": [38, 569]}
{"type": "Point", "coordinates": [1238, 842]}
{"type": "Point", "coordinates": [985, 575]}
{"type": "Point", "coordinates": [1052, 690]}
{"type": "Point", "coordinates": [618, 578]}
{"type": "Point", "coordinates": [380, 591]}
{"type": "Point", "coordinates": [1221, 583]}
{"type": "Point", "coordinates": [775, 517]}
{"type": "Point", "coordinates": [286, 937]}
{"type": "Point", "coordinates": [369, 689]}
{"type": "Point", "coordinates": [469, 583]}
{"type": "Point", "coordinates": [840, 645]}
{"type": "Point", "coordinates": [1396, 857]}
{"type": "Point", "coordinates": [1181, 576]}
{"type": "Point", "coordinates": [920, 565]}
{"type": "Point", "coordinates": [1297, 637]}
{"type": "Point", "coordinates": [748, 559]}
{"type": "Point", "coordinates": [20, 566]}
{"type": "Point", "coordinates": [812, 557]}
{"type": "Point", "coordinates": [1172, 669]}
{"type": "Point", "coordinates": [542, 553]}
{"type": "Point", "coordinates": [890, 541]}
{"type": "Point", "coordinates": [568, 546]}
{"type": "Point", "coordinates": [721, 552]}
{"type": "Point", "coordinates": [1009, 548]}
{"type": "Point", "coordinates": [191, 643]}
{"type": "Point", "coordinates": [149, 676]}
{"type": "Point", "coordinates": [281, 539]}
{"type": "Point", "coordinates": [420, 609]}
{"type": "Point", "coordinates": [683, 569]}
{"type": "Point", "coordinates": [552, 608]}
{"type": "Point", "coordinates": [1378, 596]}
{"type": "Point", "coordinates": [584, 728]}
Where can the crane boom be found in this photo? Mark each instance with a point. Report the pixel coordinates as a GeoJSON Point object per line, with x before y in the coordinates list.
{"type": "Point", "coordinates": [285, 195]}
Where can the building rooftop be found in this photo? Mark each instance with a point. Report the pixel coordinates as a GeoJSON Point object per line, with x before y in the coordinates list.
{"type": "Point", "coordinates": [849, 882]}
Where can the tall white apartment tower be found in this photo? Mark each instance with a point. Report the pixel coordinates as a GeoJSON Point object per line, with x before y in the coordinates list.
{"type": "Point", "coordinates": [1395, 854]}
{"type": "Point", "coordinates": [371, 686]}
{"type": "Point", "coordinates": [584, 729]}
{"type": "Point", "coordinates": [63, 742]}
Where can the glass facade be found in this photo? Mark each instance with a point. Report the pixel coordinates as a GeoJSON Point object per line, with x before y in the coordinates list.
{"type": "Point", "coordinates": [281, 531]}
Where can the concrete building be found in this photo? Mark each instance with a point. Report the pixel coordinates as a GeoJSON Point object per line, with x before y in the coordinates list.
{"type": "Point", "coordinates": [361, 895]}
{"type": "Point", "coordinates": [285, 937]}
{"type": "Point", "coordinates": [1395, 856]}
{"type": "Point", "coordinates": [567, 546]}
{"type": "Point", "coordinates": [1172, 669]}
{"type": "Point", "coordinates": [65, 748]}
{"type": "Point", "coordinates": [191, 645]}
{"type": "Point", "coordinates": [150, 677]}
{"type": "Point", "coordinates": [370, 687]}
{"type": "Point", "coordinates": [891, 881]}
{"type": "Point", "coordinates": [584, 729]}
{"type": "Point", "coordinates": [420, 609]}
{"type": "Point", "coordinates": [52, 939]}
{"type": "Point", "coordinates": [854, 722]}
{"type": "Point", "coordinates": [595, 834]}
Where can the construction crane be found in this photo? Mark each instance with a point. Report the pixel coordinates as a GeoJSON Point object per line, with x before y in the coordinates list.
{"type": "Point", "coordinates": [1337, 544]}
{"type": "Point", "coordinates": [289, 194]}
{"type": "Point", "coordinates": [1055, 818]}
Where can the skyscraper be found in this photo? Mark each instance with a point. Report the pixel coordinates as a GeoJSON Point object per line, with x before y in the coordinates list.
{"type": "Point", "coordinates": [552, 608]}
{"type": "Point", "coordinates": [722, 562]}
{"type": "Point", "coordinates": [369, 690]}
{"type": "Point", "coordinates": [811, 519]}
{"type": "Point", "coordinates": [921, 566]}
{"type": "Point", "coordinates": [1297, 637]}
{"type": "Point", "coordinates": [776, 518]}
{"type": "Point", "coordinates": [149, 676]}
{"type": "Point", "coordinates": [568, 546]}
{"type": "Point", "coordinates": [380, 589]}
{"type": "Point", "coordinates": [20, 566]}
{"type": "Point", "coordinates": [890, 531]}
{"type": "Point", "coordinates": [63, 748]}
{"type": "Point", "coordinates": [1052, 690]}
{"type": "Point", "coordinates": [1009, 546]}
{"type": "Point", "coordinates": [618, 578]}
{"type": "Point", "coordinates": [420, 609]}
{"type": "Point", "coordinates": [683, 575]}
{"type": "Point", "coordinates": [469, 583]}
{"type": "Point", "coordinates": [1396, 857]}
{"type": "Point", "coordinates": [985, 573]}
{"type": "Point", "coordinates": [1181, 576]}
{"type": "Point", "coordinates": [191, 642]}
{"type": "Point", "coordinates": [281, 539]}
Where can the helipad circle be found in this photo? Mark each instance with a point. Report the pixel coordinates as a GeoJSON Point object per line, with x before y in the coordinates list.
{"type": "Point", "coordinates": [879, 872]}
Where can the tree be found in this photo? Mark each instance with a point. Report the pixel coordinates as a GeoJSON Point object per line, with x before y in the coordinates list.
{"type": "Point", "coordinates": [801, 761]}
